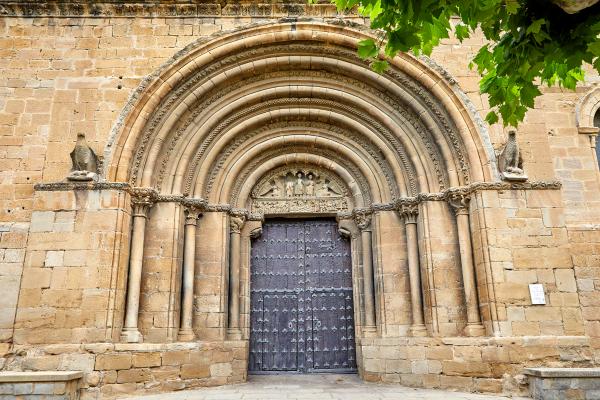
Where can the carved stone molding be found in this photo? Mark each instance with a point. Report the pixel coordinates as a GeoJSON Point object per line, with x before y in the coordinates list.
{"type": "Point", "coordinates": [362, 218]}
{"type": "Point", "coordinates": [398, 104]}
{"type": "Point", "coordinates": [346, 134]}
{"type": "Point", "coordinates": [66, 186]}
{"type": "Point", "coordinates": [165, 9]}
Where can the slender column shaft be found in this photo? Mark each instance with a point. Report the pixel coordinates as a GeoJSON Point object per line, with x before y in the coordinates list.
{"type": "Point", "coordinates": [363, 218]}
{"type": "Point", "coordinates": [414, 273]}
{"type": "Point", "coordinates": [140, 205]}
{"type": "Point", "coordinates": [236, 224]}
{"type": "Point", "coordinates": [189, 255]}
{"type": "Point", "coordinates": [474, 326]}
{"type": "Point", "coordinates": [468, 273]}
{"type": "Point", "coordinates": [367, 258]}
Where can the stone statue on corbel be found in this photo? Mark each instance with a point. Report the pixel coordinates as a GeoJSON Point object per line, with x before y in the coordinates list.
{"type": "Point", "coordinates": [510, 160]}
{"type": "Point", "coordinates": [84, 162]}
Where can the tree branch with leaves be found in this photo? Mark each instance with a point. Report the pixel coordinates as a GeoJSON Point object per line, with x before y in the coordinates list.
{"type": "Point", "coordinates": [530, 42]}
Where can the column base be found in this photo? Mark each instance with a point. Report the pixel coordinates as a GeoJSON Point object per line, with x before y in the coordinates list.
{"type": "Point", "coordinates": [131, 335]}
{"type": "Point", "coordinates": [417, 330]}
{"type": "Point", "coordinates": [369, 331]}
{"type": "Point", "coordinates": [474, 330]}
{"type": "Point", "coordinates": [234, 333]}
{"type": "Point", "coordinates": [186, 335]}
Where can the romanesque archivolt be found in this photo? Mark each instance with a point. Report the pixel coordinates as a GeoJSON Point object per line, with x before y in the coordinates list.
{"type": "Point", "coordinates": [299, 189]}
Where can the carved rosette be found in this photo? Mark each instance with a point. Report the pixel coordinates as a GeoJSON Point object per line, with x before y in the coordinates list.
{"type": "Point", "coordinates": [362, 218]}
{"type": "Point", "coordinates": [142, 199]}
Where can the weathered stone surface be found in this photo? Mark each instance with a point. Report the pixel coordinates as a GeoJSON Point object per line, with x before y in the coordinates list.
{"type": "Point", "coordinates": [260, 101]}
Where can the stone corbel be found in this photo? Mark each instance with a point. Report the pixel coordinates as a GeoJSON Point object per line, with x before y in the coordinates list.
{"type": "Point", "coordinates": [256, 232]}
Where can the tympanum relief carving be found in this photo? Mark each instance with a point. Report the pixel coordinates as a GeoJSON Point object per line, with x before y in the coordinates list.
{"type": "Point", "coordinates": [299, 190]}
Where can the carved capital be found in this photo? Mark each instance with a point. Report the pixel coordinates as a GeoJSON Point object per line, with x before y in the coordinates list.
{"type": "Point", "coordinates": [236, 223]}
{"type": "Point", "coordinates": [193, 209]}
{"type": "Point", "coordinates": [191, 215]}
{"type": "Point", "coordinates": [409, 212]}
{"type": "Point", "coordinates": [459, 201]}
{"type": "Point", "coordinates": [362, 218]}
{"type": "Point", "coordinates": [142, 199]}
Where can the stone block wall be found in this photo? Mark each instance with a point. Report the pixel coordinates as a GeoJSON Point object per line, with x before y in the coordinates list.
{"type": "Point", "coordinates": [73, 277]}
{"type": "Point", "coordinates": [115, 369]}
{"type": "Point", "coordinates": [521, 238]}
{"type": "Point", "coordinates": [40, 390]}
{"type": "Point", "coordinates": [467, 364]}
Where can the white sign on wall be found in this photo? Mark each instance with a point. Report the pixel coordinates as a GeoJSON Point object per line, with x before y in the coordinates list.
{"type": "Point", "coordinates": [536, 291]}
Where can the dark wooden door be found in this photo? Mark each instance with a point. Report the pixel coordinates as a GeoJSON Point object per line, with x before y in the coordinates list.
{"type": "Point", "coordinates": [302, 317]}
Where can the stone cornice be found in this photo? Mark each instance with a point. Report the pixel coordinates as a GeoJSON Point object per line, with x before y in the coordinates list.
{"type": "Point", "coordinates": [450, 194]}
{"type": "Point", "coordinates": [166, 9]}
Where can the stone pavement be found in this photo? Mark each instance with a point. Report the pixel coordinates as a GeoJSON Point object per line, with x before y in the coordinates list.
{"type": "Point", "coordinates": [315, 387]}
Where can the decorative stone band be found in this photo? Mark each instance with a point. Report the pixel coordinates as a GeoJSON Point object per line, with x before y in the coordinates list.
{"type": "Point", "coordinates": [164, 9]}
{"type": "Point", "coordinates": [458, 197]}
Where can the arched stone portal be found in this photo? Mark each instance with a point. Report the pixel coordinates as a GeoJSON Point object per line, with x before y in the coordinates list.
{"type": "Point", "coordinates": [284, 120]}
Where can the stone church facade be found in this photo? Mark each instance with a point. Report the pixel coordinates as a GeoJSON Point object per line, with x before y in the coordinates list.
{"type": "Point", "coordinates": [264, 202]}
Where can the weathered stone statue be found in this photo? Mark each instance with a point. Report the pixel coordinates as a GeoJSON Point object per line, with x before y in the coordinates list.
{"type": "Point", "coordinates": [85, 161]}
{"type": "Point", "coordinates": [510, 161]}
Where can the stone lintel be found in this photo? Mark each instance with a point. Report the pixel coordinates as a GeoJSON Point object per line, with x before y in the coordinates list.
{"type": "Point", "coordinates": [40, 376]}
{"type": "Point", "coordinates": [563, 372]}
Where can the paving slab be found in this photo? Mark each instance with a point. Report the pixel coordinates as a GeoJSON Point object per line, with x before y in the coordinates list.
{"type": "Point", "coordinates": [315, 387]}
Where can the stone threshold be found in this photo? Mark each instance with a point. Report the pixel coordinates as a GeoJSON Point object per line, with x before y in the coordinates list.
{"type": "Point", "coordinates": [39, 376]}
{"type": "Point", "coordinates": [563, 372]}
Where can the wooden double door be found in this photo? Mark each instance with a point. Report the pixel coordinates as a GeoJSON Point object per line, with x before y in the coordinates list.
{"type": "Point", "coordinates": [302, 316]}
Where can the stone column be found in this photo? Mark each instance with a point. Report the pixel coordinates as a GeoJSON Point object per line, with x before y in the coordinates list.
{"type": "Point", "coordinates": [236, 223]}
{"type": "Point", "coordinates": [460, 203]}
{"type": "Point", "coordinates": [363, 221]}
{"type": "Point", "coordinates": [142, 199]}
{"type": "Point", "coordinates": [410, 213]}
{"type": "Point", "coordinates": [192, 213]}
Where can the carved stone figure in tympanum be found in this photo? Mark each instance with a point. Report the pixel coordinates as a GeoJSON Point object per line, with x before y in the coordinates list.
{"type": "Point", "coordinates": [510, 160]}
{"type": "Point", "coordinates": [84, 161]}
{"type": "Point", "coordinates": [310, 185]}
{"type": "Point", "coordinates": [299, 185]}
{"type": "Point", "coordinates": [299, 189]}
